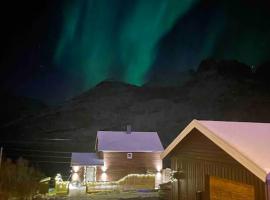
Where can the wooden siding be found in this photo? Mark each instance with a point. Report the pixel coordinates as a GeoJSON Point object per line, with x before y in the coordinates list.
{"type": "Point", "coordinates": [117, 165]}
{"type": "Point", "coordinates": [268, 189]}
{"type": "Point", "coordinates": [198, 157]}
{"type": "Point", "coordinates": [224, 189]}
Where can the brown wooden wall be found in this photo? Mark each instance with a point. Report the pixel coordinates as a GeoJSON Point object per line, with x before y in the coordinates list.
{"type": "Point", "coordinates": [198, 157]}
{"type": "Point", "coordinates": [119, 166]}
{"type": "Point", "coordinates": [268, 189]}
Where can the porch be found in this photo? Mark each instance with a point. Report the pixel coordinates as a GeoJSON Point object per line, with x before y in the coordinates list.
{"type": "Point", "coordinates": [85, 167]}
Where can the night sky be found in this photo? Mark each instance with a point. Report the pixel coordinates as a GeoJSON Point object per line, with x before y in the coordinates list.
{"type": "Point", "coordinates": [53, 50]}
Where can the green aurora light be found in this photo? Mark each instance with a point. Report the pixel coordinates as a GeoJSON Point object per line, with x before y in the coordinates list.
{"type": "Point", "coordinates": [123, 40]}
{"type": "Point", "coordinates": [101, 39]}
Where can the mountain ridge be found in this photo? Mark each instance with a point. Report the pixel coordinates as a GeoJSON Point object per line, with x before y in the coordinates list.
{"type": "Point", "coordinates": [210, 94]}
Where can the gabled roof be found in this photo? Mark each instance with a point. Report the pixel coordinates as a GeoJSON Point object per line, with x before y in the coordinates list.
{"type": "Point", "coordinates": [83, 159]}
{"type": "Point", "coordinates": [246, 142]}
{"type": "Point", "coordinates": [121, 141]}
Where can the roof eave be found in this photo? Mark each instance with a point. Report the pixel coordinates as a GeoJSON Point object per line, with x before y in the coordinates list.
{"type": "Point", "coordinates": [178, 139]}
{"type": "Point", "coordinates": [246, 162]}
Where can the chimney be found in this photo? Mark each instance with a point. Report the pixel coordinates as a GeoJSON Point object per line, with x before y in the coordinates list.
{"type": "Point", "coordinates": [128, 129]}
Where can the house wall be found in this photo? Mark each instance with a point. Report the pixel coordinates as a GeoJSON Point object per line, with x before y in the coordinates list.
{"type": "Point", "coordinates": [78, 173]}
{"type": "Point", "coordinates": [268, 189]}
{"type": "Point", "coordinates": [198, 158]}
{"type": "Point", "coordinates": [117, 165]}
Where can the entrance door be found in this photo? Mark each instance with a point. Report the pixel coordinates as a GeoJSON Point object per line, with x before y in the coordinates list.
{"type": "Point", "coordinates": [90, 174]}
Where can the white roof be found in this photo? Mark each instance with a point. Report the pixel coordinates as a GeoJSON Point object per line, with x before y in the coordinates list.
{"type": "Point", "coordinates": [85, 159]}
{"type": "Point", "coordinates": [246, 142]}
{"type": "Point", "coordinates": [121, 141]}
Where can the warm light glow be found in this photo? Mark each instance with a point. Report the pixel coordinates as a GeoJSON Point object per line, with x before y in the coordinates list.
{"type": "Point", "coordinates": [75, 168]}
{"type": "Point", "coordinates": [159, 168]}
{"type": "Point", "coordinates": [103, 168]}
{"type": "Point", "coordinates": [103, 176]}
{"type": "Point", "coordinates": [136, 175]}
{"type": "Point", "coordinates": [158, 180]}
{"type": "Point", "coordinates": [75, 177]}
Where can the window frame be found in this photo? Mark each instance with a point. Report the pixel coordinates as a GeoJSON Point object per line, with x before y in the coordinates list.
{"type": "Point", "coordinates": [129, 155]}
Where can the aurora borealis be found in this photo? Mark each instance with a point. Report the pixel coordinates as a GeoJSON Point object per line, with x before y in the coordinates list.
{"type": "Point", "coordinates": [115, 39]}
{"type": "Point", "coordinates": [79, 43]}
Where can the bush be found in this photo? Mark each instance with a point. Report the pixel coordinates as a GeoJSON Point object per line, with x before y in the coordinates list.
{"type": "Point", "coordinates": [18, 179]}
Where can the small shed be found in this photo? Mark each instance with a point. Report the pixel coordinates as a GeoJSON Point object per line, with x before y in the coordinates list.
{"type": "Point", "coordinates": [220, 160]}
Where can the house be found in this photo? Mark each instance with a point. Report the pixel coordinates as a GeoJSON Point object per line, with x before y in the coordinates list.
{"type": "Point", "coordinates": [220, 160]}
{"type": "Point", "coordinates": [118, 153]}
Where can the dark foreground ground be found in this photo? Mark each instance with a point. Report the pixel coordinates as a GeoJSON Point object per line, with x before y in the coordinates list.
{"type": "Point", "coordinates": [136, 195]}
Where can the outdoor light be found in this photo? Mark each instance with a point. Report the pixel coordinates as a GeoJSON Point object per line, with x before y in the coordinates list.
{"type": "Point", "coordinates": [158, 174]}
{"type": "Point", "coordinates": [75, 177]}
{"type": "Point", "coordinates": [75, 169]}
{"type": "Point", "coordinates": [104, 176]}
{"type": "Point", "coordinates": [103, 168]}
{"type": "Point", "coordinates": [158, 168]}
{"type": "Point", "coordinates": [158, 180]}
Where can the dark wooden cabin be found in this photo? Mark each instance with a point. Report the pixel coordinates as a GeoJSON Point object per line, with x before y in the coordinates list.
{"type": "Point", "coordinates": [119, 153]}
{"type": "Point", "coordinates": [220, 161]}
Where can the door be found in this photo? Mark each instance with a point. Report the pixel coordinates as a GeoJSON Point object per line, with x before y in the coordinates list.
{"type": "Point", "coordinates": [90, 174]}
{"type": "Point", "coordinates": [224, 189]}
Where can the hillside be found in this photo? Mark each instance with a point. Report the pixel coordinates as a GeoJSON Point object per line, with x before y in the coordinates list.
{"type": "Point", "coordinates": [16, 107]}
{"type": "Point", "coordinates": [219, 90]}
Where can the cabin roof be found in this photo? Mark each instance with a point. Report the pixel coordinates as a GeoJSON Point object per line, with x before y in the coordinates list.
{"type": "Point", "coordinates": [121, 141]}
{"type": "Point", "coordinates": [246, 142]}
{"type": "Point", "coordinates": [83, 159]}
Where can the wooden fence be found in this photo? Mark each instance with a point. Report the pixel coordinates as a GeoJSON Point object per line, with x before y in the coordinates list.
{"type": "Point", "coordinates": [129, 182]}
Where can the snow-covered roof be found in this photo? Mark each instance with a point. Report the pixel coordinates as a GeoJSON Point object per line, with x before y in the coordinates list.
{"type": "Point", "coordinates": [83, 159]}
{"type": "Point", "coordinates": [246, 142]}
{"type": "Point", "coordinates": [121, 141]}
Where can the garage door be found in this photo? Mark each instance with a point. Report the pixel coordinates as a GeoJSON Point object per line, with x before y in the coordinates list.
{"type": "Point", "coordinates": [224, 189]}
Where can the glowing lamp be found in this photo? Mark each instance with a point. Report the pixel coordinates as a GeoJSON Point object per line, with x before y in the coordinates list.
{"type": "Point", "coordinates": [103, 176]}
{"type": "Point", "coordinates": [75, 169]}
{"type": "Point", "coordinates": [75, 177]}
{"type": "Point", "coordinates": [103, 168]}
{"type": "Point", "coordinates": [158, 168]}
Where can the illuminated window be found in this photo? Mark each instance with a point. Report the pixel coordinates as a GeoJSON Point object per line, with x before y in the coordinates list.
{"type": "Point", "coordinates": [129, 155]}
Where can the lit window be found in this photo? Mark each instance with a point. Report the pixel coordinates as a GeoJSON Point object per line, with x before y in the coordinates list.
{"type": "Point", "coordinates": [129, 155]}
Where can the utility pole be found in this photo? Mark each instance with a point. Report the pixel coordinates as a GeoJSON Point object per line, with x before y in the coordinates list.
{"type": "Point", "coordinates": [1, 153]}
